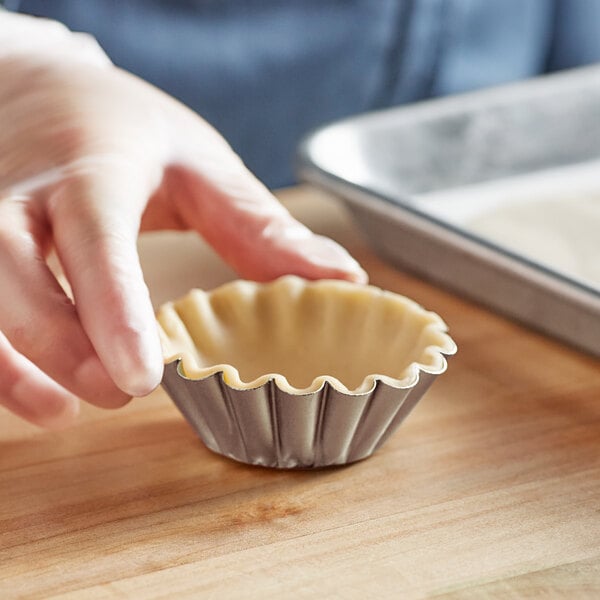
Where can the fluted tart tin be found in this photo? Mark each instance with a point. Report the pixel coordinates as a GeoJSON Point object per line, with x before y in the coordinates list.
{"type": "Point", "coordinates": [299, 374]}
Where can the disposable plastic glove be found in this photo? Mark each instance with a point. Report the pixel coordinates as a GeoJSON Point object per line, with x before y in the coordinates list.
{"type": "Point", "coordinates": [89, 155]}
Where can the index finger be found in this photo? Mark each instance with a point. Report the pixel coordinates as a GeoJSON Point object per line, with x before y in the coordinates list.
{"type": "Point", "coordinates": [95, 219]}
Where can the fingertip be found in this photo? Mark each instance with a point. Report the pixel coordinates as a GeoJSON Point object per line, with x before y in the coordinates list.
{"type": "Point", "coordinates": [142, 380]}
{"type": "Point", "coordinates": [129, 358]}
{"type": "Point", "coordinates": [318, 257]}
{"type": "Point", "coordinates": [135, 361]}
{"type": "Point", "coordinates": [358, 275]}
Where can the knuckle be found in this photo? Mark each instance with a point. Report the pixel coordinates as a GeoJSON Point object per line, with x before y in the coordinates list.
{"type": "Point", "coordinates": [11, 372]}
{"type": "Point", "coordinates": [10, 376]}
{"type": "Point", "coordinates": [40, 336]}
{"type": "Point", "coordinates": [33, 342]}
{"type": "Point", "coordinates": [14, 241]}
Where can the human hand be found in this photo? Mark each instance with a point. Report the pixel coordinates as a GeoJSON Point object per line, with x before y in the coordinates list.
{"type": "Point", "coordinates": [89, 156]}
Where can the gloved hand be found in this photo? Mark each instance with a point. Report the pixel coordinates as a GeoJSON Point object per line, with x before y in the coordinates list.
{"type": "Point", "coordinates": [89, 155]}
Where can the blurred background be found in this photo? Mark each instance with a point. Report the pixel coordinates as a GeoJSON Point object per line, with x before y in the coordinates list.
{"type": "Point", "coordinates": [265, 72]}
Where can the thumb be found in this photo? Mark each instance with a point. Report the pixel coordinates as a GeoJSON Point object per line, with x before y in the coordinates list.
{"type": "Point", "coordinates": [215, 194]}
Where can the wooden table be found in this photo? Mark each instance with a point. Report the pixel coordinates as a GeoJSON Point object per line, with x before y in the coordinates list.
{"type": "Point", "coordinates": [490, 489]}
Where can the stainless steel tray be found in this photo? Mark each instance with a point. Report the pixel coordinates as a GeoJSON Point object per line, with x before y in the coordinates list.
{"type": "Point", "coordinates": [422, 179]}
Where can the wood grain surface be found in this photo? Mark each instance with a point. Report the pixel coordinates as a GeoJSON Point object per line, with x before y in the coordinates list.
{"type": "Point", "coordinates": [490, 489]}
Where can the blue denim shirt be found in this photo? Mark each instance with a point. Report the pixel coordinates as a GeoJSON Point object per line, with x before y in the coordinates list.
{"type": "Point", "coordinates": [264, 72]}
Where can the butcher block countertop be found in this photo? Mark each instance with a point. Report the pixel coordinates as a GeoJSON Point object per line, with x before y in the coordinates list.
{"type": "Point", "coordinates": [490, 489]}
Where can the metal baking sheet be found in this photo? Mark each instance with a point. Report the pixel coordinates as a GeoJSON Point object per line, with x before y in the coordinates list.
{"type": "Point", "coordinates": [494, 194]}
